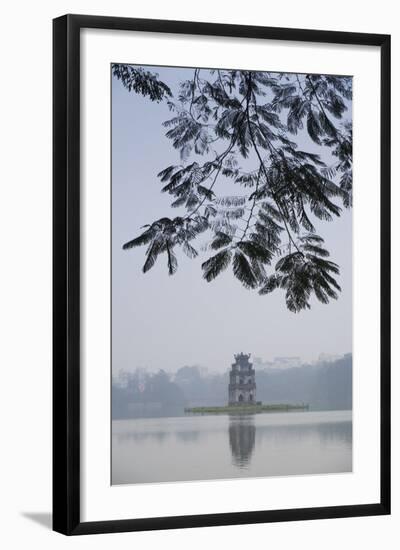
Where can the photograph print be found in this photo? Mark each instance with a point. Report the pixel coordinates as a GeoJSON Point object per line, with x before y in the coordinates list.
{"type": "Point", "coordinates": [231, 264]}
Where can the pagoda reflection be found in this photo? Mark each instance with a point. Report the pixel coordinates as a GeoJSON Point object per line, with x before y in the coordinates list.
{"type": "Point", "coordinates": [242, 438]}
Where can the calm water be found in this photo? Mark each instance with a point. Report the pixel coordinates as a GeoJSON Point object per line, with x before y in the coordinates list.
{"type": "Point", "coordinates": [217, 447]}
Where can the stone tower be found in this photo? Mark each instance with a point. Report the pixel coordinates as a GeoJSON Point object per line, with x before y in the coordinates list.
{"type": "Point", "coordinates": [242, 381]}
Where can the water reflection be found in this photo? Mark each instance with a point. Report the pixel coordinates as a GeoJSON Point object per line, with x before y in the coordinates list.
{"type": "Point", "coordinates": [186, 436]}
{"type": "Point", "coordinates": [242, 438]}
{"type": "Point", "coordinates": [323, 433]}
{"type": "Point", "coordinates": [223, 447]}
{"type": "Point", "coordinates": [141, 437]}
{"type": "Point", "coordinates": [242, 433]}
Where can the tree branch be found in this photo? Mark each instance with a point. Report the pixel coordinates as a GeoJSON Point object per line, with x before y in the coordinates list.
{"type": "Point", "coordinates": [252, 207]}
{"type": "Point", "coordinates": [220, 160]}
{"type": "Point", "coordinates": [262, 165]}
{"type": "Point", "coordinates": [339, 135]}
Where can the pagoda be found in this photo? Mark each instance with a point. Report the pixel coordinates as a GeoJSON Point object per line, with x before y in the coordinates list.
{"type": "Point", "coordinates": [242, 381]}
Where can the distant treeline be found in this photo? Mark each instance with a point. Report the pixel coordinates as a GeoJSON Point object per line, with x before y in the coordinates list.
{"type": "Point", "coordinates": [323, 385]}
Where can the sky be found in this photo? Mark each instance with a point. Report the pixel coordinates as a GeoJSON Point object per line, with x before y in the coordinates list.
{"type": "Point", "coordinates": [166, 322]}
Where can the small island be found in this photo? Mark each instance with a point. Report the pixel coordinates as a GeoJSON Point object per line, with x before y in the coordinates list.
{"type": "Point", "coordinates": [242, 393]}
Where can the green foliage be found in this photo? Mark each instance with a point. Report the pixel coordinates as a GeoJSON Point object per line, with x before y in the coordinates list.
{"type": "Point", "coordinates": [239, 119]}
{"type": "Point", "coordinates": [141, 81]}
{"type": "Point", "coordinates": [216, 264]}
{"type": "Point", "coordinates": [304, 272]}
{"type": "Point", "coordinates": [248, 408]}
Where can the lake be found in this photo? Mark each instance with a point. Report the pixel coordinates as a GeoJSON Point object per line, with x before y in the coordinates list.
{"type": "Point", "coordinates": [206, 447]}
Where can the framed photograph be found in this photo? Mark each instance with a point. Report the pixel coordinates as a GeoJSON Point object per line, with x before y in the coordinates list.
{"type": "Point", "coordinates": [221, 274]}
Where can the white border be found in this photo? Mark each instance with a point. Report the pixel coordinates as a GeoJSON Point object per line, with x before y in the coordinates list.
{"type": "Point", "coordinates": [100, 501]}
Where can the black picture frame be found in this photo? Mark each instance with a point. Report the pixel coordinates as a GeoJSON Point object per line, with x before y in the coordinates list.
{"type": "Point", "coordinates": [66, 273]}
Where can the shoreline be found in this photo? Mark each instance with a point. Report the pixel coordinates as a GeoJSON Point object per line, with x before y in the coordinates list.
{"type": "Point", "coordinates": [279, 407]}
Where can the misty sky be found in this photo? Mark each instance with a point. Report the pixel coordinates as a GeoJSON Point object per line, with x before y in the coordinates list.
{"type": "Point", "coordinates": [164, 322]}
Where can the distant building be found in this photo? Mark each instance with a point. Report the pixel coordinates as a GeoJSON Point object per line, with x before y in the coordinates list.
{"type": "Point", "coordinates": [287, 362]}
{"type": "Point", "coordinates": [242, 381]}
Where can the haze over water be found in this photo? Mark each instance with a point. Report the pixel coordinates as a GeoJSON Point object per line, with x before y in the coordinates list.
{"type": "Point", "coordinates": [231, 446]}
